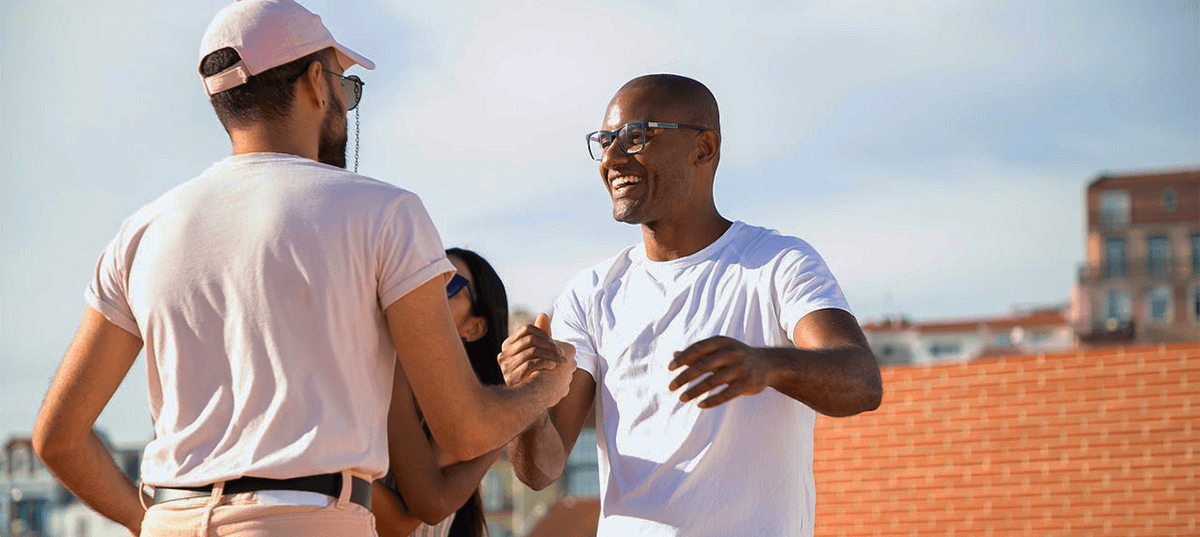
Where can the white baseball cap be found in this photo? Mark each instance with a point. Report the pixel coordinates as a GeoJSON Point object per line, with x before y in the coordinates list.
{"type": "Point", "coordinates": [268, 33]}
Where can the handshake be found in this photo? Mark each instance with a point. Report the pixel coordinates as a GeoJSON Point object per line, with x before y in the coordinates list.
{"type": "Point", "coordinates": [530, 350]}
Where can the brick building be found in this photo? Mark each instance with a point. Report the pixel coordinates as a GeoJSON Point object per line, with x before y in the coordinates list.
{"type": "Point", "coordinates": [1096, 442]}
{"type": "Point", "coordinates": [1141, 280]}
{"type": "Point", "coordinates": [1092, 442]}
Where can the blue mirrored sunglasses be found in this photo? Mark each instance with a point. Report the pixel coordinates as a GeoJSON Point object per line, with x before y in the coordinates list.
{"type": "Point", "coordinates": [458, 283]}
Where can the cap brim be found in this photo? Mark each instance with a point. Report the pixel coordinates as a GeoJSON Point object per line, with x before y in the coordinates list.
{"type": "Point", "coordinates": [348, 58]}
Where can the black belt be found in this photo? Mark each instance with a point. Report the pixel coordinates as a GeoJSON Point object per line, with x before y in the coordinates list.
{"type": "Point", "coordinates": [327, 484]}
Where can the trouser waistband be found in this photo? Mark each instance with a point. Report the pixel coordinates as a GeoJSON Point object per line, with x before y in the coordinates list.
{"type": "Point", "coordinates": [328, 484]}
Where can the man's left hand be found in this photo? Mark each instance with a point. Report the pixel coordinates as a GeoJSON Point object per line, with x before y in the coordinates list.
{"type": "Point", "coordinates": [743, 369]}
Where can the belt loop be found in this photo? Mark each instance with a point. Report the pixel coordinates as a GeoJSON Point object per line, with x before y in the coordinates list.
{"type": "Point", "coordinates": [347, 487]}
{"type": "Point", "coordinates": [217, 490]}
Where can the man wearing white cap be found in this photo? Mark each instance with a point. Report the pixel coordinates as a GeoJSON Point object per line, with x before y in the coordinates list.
{"type": "Point", "coordinates": [273, 295]}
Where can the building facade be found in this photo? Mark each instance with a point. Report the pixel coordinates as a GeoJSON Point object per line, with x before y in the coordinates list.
{"type": "Point", "coordinates": [1027, 331]}
{"type": "Point", "coordinates": [1141, 280]}
{"type": "Point", "coordinates": [37, 505]}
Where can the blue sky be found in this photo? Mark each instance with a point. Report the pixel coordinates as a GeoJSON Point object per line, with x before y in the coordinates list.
{"type": "Point", "coordinates": [934, 152]}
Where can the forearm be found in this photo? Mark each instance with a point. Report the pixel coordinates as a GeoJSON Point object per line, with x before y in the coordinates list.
{"type": "Point", "coordinates": [840, 381]}
{"type": "Point", "coordinates": [86, 468]}
{"type": "Point", "coordinates": [457, 484]}
{"type": "Point", "coordinates": [392, 518]}
{"type": "Point", "coordinates": [537, 454]}
{"type": "Point", "coordinates": [503, 412]}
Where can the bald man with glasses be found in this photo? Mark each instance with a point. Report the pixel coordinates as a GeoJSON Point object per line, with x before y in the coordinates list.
{"type": "Point", "coordinates": [706, 350]}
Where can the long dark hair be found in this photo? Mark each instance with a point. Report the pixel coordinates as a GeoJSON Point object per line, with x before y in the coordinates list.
{"type": "Point", "coordinates": [491, 303]}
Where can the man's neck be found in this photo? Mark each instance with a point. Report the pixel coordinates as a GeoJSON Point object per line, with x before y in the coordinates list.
{"type": "Point", "coordinates": [265, 138]}
{"type": "Point", "coordinates": [670, 241]}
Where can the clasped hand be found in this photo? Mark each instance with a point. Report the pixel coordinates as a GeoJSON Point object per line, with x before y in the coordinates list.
{"type": "Point", "coordinates": [530, 349]}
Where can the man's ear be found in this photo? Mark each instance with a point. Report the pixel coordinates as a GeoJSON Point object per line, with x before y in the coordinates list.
{"type": "Point", "coordinates": [311, 87]}
{"type": "Point", "coordinates": [476, 328]}
{"type": "Point", "coordinates": [709, 145]}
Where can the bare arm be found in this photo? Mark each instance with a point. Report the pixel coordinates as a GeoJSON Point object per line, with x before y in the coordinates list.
{"type": "Point", "coordinates": [92, 369]}
{"type": "Point", "coordinates": [831, 369]}
{"type": "Point", "coordinates": [467, 418]}
{"type": "Point", "coordinates": [392, 518]}
{"type": "Point", "coordinates": [540, 452]}
{"type": "Point", "coordinates": [429, 493]}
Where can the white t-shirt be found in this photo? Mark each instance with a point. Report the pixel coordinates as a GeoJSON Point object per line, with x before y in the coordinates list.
{"type": "Point", "coordinates": [672, 469]}
{"type": "Point", "coordinates": [258, 289]}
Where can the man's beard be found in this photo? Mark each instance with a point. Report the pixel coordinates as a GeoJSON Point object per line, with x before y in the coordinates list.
{"type": "Point", "coordinates": [331, 148]}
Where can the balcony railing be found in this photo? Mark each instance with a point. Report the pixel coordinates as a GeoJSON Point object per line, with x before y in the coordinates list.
{"type": "Point", "coordinates": [1140, 269]}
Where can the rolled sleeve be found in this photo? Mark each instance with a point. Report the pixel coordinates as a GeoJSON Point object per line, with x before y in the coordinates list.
{"type": "Point", "coordinates": [108, 292]}
{"type": "Point", "coordinates": [409, 250]}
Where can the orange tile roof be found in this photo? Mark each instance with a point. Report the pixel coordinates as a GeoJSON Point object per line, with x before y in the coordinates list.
{"type": "Point", "coordinates": [1099, 442]}
{"type": "Point", "coordinates": [1035, 319]}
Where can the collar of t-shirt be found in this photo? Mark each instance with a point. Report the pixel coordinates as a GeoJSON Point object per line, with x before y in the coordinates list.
{"type": "Point", "coordinates": [675, 266]}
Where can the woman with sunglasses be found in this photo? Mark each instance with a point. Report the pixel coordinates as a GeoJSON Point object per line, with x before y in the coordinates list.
{"type": "Point", "coordinates": [430, 494]}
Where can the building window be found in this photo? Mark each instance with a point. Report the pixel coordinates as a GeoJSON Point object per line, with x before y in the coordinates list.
{"type": "Point", "coordinates": [1158, 257]}
{"type": "Point", "coordinates": [1114, 207]}
{"type": "Point", "coordinates": [1116, 305]}
{"type": "Point", "coordinates": [581, 477]}
{"type": "Point", "coordinates": [1114, 257]}
{"type": "Point", "coordinates": [1195, 253]}
{"type": "Point", "coordinates": [1159, 298]}
{"type": "Point", "coordinates": [20, 462]}
{"type": "Point", "coordinates": [1169, 201]}
{"type": "Point", "coordinates": [1196, 302]}
{"type": "Point", "coordinates": [495, 494]}
{"type": "Point", "coordinates": [945, 350]}
{"type": "Point", "coordinates": [495, 529]}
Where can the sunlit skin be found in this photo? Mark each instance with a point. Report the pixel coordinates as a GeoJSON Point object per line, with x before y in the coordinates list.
{"type": "Point", "coordinates": [671, 195]}
{"type": "Point", "coordinates": [433, 482]}
{"type": "Point", "coordinates": [313, 119]}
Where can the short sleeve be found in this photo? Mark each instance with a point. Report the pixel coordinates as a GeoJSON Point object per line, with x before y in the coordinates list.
{"type": "Point", "coordinates": [108, 292]}
{"type": "Point", "coordinates": [409, 250]}
{"type": "Point", "coordinates": [569, 325]}
{"type": "Point", "coordinates": [805, 284]}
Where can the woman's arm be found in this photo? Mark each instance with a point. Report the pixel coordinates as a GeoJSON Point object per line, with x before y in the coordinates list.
{"type": "Point", "coordinates": [392, 519]}
{"type": "Point", "coordinates": [428, 492]}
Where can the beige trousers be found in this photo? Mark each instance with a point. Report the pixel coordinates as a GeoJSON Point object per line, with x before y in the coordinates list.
{"type": "Point", "coordinates": [241, 515]}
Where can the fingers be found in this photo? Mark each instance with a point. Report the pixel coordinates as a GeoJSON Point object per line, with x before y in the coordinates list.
{"type": "Point", "coordinates": [525, 338]}
{"type": "Point", "coordinates": [724, 396]}
{"type": "Point", "coordinates": [724, 376]}
{"type": "Point", "coordinates": [700, 349]}
{"type": "Point", "coordinates": [512, 364]}
{"type": "Point", "coordinates": [532, 366]}
{"type": "Point", "coordinates": [701, 365]}
{"type": "Point", "coordinates": [530, 349]}
{"type": "Point", "coordinates": [542, 322]}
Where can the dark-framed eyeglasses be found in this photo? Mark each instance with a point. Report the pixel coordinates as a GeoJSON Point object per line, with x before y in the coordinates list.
{"type": "Point", "coordinates": [352, 86]}
{"type": "Point", "coordinates": [455, 286]}
{"type": "Point", "coordinates": [630, 137]}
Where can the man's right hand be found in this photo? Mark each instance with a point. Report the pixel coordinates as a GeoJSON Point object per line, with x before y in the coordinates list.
{"type": "Point", "coordinates": [530, 349]}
